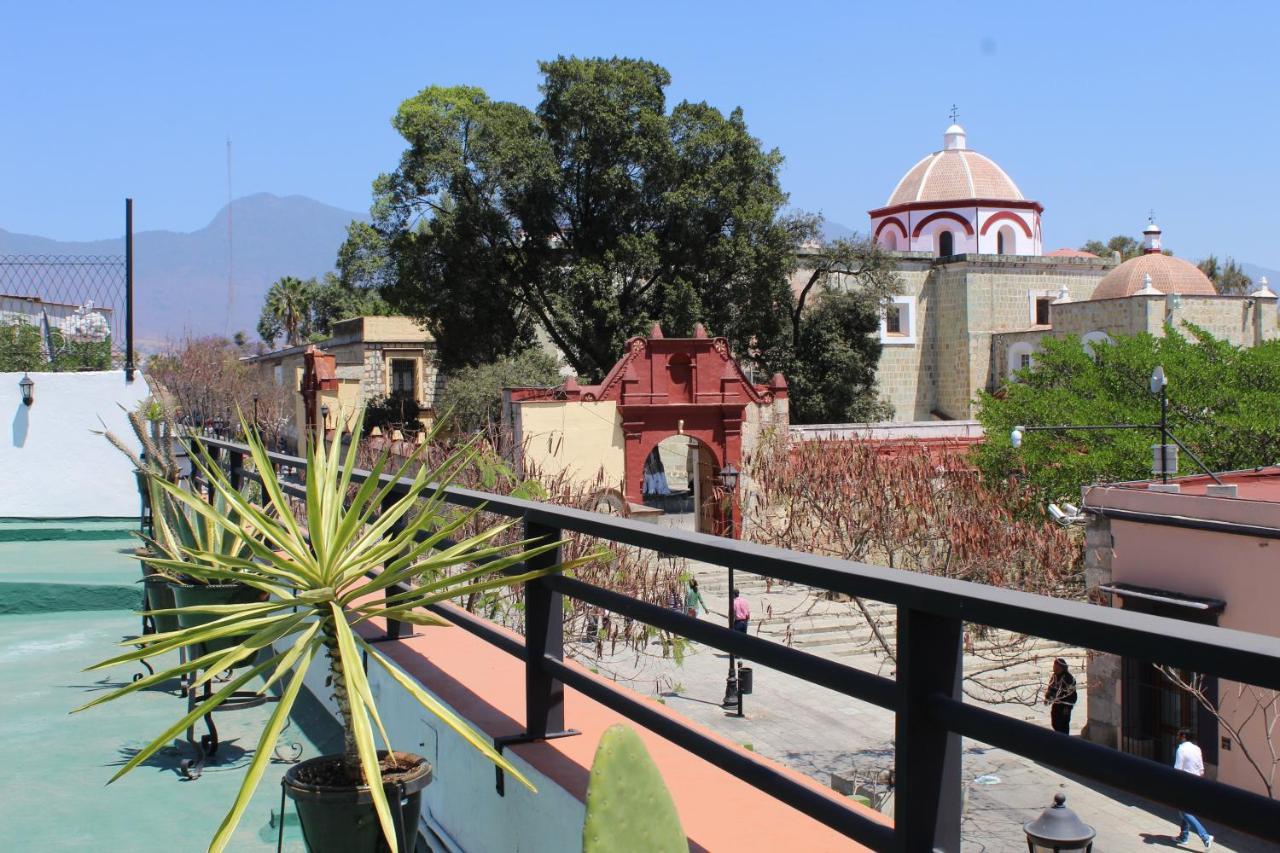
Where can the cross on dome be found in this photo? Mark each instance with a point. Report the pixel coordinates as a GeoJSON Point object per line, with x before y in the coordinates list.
{"type": "Point", "coordinates": [955, 113]}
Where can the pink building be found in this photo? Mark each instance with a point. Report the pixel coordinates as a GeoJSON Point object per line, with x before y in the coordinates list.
{"type": "Point", "coordinates": [1202, 552]}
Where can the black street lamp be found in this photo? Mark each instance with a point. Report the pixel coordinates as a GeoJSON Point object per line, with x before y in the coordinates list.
{"type": "Point", "coordinates": [255, 410]}
{"type": "Point", "coordinates": [1164, 454]}
{"type": "Point", "coordinates": [27, 386]}
{"type": "Point", "coordinates": [1058, 830]}
{"type": "Point", "coordinates": [732, 697]}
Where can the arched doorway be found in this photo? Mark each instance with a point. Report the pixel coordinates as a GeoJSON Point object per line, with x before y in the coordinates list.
{"type": "Point", "coordinates": [679, 478]}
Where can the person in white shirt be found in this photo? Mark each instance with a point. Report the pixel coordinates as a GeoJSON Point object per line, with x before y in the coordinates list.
{"type": "Point", "coordinates": [1189, 759]}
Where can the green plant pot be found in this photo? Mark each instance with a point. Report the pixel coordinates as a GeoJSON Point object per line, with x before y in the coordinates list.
{"type": "Point", "coordinates": [197, 595]}
{"type": "Point", "coordinates": [160, 597]}
{"type": "Point", "coordinates": [341, 818]}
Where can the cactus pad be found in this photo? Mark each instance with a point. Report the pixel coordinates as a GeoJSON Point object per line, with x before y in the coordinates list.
{"type": "Point", "coordinates": [629, 809]}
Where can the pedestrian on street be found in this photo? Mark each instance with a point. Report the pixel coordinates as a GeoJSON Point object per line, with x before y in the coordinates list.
{"type": "Point", "coordinates": [1189, 759]}
{"type": "Point", "coordinates": [693, 599]}
{"type": "Point", "coordinates": [741, 612]}
{"type": "Point", "coordinates": [1060, 696]}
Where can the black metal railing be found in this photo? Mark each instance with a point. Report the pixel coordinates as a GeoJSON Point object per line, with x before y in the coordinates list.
{"type": "Point", "coordinates": [926, 697]}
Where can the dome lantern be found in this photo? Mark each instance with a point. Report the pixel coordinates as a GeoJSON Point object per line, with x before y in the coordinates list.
{"type": "Point", "coordinates": [1151, 238]}
{"type": "Point", "coordinates": [953, 138]}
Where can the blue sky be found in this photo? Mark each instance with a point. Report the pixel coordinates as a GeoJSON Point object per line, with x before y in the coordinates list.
{"type": "Point", "coordinates": [1100, 111]}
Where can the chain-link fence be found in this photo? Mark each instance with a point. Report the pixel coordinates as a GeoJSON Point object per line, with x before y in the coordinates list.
{"type": "Point", "coordinates": [63, 312]}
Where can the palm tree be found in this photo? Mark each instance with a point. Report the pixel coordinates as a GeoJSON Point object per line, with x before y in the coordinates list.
{"type": "Point", "coordinates": [288, 309]}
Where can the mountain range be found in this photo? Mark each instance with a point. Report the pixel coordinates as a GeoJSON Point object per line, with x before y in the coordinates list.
{"type": "Point", "coordinates": [181, 280]}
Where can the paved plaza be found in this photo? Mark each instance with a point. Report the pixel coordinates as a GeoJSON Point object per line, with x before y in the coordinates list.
{"type": "Point", "coordinates": [819, 732]}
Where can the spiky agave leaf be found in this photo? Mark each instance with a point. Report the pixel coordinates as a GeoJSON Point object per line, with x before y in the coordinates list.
{"type": "Point", "coordinates": [324, 580]}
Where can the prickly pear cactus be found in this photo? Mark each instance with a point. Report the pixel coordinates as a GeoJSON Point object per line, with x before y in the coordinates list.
{"type": "Point", "coordinates": [629, 809]}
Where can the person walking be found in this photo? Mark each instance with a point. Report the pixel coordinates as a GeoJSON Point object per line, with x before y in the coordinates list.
{"type": "Point", "coordinates": [741, 612]}
{"type": "Point", "coordinates": [1060, 696]}
{"type": "Point", "coordinates": [1189, 759]}
{"type": "Point", "coordinates": [693, 599]}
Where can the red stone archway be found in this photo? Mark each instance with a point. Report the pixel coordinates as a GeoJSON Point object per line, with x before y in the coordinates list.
{"type": "Point", "coordinates": [677, 386]}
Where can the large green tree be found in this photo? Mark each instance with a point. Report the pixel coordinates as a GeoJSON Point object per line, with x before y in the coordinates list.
{"type": "Point", "coordinates": [584, 220]}
{"type": "Point", "coordinates": [1224, 404]}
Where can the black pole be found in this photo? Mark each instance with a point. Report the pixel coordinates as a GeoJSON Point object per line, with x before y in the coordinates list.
{"type": "Point", "coordinates": [732, 695]}
{"type": "Point", "coordinates": [128, 290]}
{"type": "Point", "coordinates": [1164, 434]}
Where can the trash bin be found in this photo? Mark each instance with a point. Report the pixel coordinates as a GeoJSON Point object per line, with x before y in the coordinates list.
{"type": "Point", "coordinates": [744, 679]}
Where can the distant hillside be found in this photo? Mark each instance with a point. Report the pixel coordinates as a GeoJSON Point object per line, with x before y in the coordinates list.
{"type": "Point", "coordinates": [181, 279]}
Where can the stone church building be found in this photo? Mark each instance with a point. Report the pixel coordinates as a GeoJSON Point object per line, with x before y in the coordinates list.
{"type": "Point", "coordinates": [979, 293]}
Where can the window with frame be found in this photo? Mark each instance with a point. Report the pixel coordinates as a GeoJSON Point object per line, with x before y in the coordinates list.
{"type": "Point", "coordinates": [1042, 310]}
{"type": "Point", "coordinates": [893, 320]}
{"type": "Point", "coordinates": [1024, 361]}
{"type": "Point", "coordinates": [403, 376]}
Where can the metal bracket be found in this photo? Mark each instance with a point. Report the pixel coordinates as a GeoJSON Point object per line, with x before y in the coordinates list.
{"type": "Point", "coordinates": [500, 743]}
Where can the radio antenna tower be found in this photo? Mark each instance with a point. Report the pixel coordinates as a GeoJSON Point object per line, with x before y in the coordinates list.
{"type": "Point", "coordinates": [231, 288]}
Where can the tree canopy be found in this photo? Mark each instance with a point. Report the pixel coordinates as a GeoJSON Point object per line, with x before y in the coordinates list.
{"type": "Point", "coordinates": [1228, 278]}
{"type": "Point", "coordinates": [1223, 405]}
{"type": "Point", "coordinates": [300, 310]}
{"type": "Point", "coordinates": [585, 220]}
{"type": "Point", "coordinates": [473, 395]}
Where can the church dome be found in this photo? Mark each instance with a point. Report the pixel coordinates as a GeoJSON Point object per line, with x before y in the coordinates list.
{"type": "Point", "coordinates": [1168, 275]}
{"type": "Point", "coordinates": [954, 173]}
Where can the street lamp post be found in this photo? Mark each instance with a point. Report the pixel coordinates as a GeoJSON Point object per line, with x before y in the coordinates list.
{"type": "Point", "coordinates": [732, 696]}
{"type": "Point", "coordinates": [1164, 455]}
{"type": "Point", "coordinates": [255, 411]}
{"type": "Point", "coordinates": [1058, 830]}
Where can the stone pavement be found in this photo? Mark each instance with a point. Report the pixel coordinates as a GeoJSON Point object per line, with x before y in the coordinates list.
{"type": "Point", "coordinates": [819, 732]}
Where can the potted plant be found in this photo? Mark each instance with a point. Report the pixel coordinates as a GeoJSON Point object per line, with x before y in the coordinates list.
{"type": "Point", "coordinates": [179, 597]}
{"type": "Point", "coordinates": [319, 590]}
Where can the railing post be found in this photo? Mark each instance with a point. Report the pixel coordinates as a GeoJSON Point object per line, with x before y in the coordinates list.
{"type": "Point", "coordinates": [395, 628]}
{"type": "Point", "coordinates": [927, 801]}
{"type": "Point", "coordinates": [544, 635]}
{"type": "Point", "coordinates": [235, 460]}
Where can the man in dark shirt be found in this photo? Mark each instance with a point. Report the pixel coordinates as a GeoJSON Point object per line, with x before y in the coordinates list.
{"type": "Point", "coordinates": [1061, 697]}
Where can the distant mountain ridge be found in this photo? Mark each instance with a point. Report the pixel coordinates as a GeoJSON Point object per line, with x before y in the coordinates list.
{"type": "Point", "coordinates": [180, 279]}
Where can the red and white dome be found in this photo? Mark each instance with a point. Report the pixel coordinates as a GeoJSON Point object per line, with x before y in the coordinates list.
{"type": "Point", "coordinates": [957, 201]}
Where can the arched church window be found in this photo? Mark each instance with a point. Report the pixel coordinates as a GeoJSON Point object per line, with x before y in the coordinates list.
{"type": "Point", "coordinates": [1006, 241]}
{"type": "Point", "coordinates": [890, 240]}
{"type": "Point", "coordinates": [946, 244]}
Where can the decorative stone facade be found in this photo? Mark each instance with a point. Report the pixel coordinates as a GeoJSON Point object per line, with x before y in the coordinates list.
{"type": "Point", "coordinates": [955, 307]}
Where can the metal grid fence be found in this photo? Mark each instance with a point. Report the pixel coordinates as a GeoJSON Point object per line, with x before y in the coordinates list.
{"type": "Point", "coordinates": [72, 307]}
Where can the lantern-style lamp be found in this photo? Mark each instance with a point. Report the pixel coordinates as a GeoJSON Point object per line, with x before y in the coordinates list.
{"type": "Point", "coordinates": [1058, 830]}
{"type": "Point", "coordinates": [729, 477]}
{"type": "Point", "coordinates": [28, 388]}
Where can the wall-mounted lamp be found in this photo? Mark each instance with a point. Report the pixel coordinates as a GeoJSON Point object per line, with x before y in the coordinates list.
{"type": "Point", "coordinates": [28, 389]}
{"type": "Point", "coordinates": [324, 414]}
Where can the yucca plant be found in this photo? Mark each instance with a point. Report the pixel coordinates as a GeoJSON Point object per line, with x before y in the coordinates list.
{"type": "Point", "coordinates": [321, 581]}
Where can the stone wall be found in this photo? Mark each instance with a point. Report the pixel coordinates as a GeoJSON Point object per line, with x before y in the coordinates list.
{"type": "Point", "coordinates": [1102, 669]}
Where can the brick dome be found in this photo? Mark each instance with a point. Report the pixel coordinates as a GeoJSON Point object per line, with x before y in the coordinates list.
{"type": "Point", "coordinates": [1168, 275]}
{"type": "Point", "coordinates": [954, 173]}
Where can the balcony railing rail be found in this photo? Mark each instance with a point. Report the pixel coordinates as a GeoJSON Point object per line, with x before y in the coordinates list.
{"type": "Point", "coordinates": [930, 711]}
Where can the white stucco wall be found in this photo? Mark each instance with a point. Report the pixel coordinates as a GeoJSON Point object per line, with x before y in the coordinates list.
{"type": "Point", "coordinates": [53, 464]}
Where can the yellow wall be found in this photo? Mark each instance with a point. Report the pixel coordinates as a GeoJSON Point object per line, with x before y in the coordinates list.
{"type": "Point", "coordinates": [582, 440]}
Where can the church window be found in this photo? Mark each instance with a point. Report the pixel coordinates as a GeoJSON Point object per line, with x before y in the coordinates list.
{"type": "Point", "coordinates": [1021, 357]}
{"type": "Point", "coordinates": [1042, 310]}
{"type": "Point", "coordinates": [890, 240]}
{"type": "Point", "coordinates": [893, 320]}
{"type": "Point", "coordinates": [1006, 242]}
{"type": "Point", "coordinates": [897, 323]}
{"type": "Point", "coordinates": [1024, 360]}
{"type": "Point", "coordinates": [946, 244]}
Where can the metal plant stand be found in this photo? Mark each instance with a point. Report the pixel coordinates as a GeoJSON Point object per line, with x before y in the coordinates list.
{"type": "Point", "coordinates": [206, 746]}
